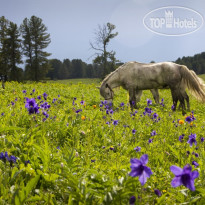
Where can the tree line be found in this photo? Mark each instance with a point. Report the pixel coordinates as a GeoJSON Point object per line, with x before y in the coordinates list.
{"type": "Point", "coordinates": [195, 63]}
{"type": "Point", "coordinates": [30, 40]}
{"type": "Point", "coordinates": [75, 68]}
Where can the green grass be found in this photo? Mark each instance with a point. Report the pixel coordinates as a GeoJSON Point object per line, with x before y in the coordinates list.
{"type": "Point", "coordinates": [76, 81]}
{"type": "Point", "coordinates": [82, 158]}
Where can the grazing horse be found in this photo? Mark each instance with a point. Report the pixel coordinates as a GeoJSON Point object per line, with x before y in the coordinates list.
{"type": "Point", "coordinates": [134, 77]}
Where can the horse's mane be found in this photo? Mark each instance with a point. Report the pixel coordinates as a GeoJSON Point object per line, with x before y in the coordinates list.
{"type": "Point", "coordinates": [110, 74]}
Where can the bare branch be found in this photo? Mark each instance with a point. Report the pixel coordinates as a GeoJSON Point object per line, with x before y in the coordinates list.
{"type": "Point", "coordinates": [93, 47]}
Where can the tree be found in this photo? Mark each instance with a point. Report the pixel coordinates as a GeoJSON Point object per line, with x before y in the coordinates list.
{"type": "Point", "coordinates": [35, 40]}
{"type": "Point", "coordinates": [56, 65]}
{"type": "Point", "coordinates": [76, 68]}
{"type": "Point", "coordinates": [102, 37]}
{"type": "Point", "coordinates": [3, 48]}
{"type": "Point", "coordinates": [14, 55]}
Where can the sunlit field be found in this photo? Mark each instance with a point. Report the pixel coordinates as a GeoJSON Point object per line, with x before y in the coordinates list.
{"type": "Point", "coordinates": [61, 143]}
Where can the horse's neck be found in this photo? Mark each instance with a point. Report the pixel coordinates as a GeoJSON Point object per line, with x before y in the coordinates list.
{"type": "Point", "coordinates": [114, 81]}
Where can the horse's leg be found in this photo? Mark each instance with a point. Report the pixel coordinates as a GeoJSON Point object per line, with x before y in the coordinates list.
{"type": "Point", "coordinates": [181, 99]}
{"type": "Point", "coordinates": [132, 98]}
{"type": "Point", "coordinates": [138, 94]}
{"type": "Point", "coordinates": [174, 98]}
{"type": "Point", "coordinates": [179, 92]}
{"type": "Point", "coordinates": [187, 100]}
{"type": "Point", "coordinates": [186, 97]}
{"type": "Point", "coordinates": [155, 94]}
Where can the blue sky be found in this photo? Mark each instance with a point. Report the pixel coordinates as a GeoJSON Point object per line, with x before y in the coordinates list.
{"type": "Point", "coordinates": [71, 24]}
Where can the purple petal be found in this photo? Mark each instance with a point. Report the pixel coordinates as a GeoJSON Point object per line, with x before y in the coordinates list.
{"type": "Point", "coordinates": [135, 162]}
{"type": "Point", "coordinates": [190, 185]}
{"type": "Point", "coordinates": [187, 169]}
{"type": "Point", "coordinates": [143, 178]}
{"type": "Point", "coordinates": [144, 159]}
{"type": "Point", "coordinates": [177, 171]}
{"type": "Point", "coordinates": [195, 174]}
{"type": "Point", "coordinates": [176, 182]}
{"type": "Point", "coordinates": [147, 171]}
{"type": "Point", "coordinates": [134, 173]}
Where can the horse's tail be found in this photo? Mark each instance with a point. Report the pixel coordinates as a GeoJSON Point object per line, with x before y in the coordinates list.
{"type": "Point", "coordinates": [195, 84]}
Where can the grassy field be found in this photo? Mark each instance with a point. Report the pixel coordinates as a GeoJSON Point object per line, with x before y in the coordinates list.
{"type": "Point", "coordinates": [60, 143]}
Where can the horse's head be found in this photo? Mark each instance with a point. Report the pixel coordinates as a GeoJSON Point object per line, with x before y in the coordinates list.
{"type": "Point", "coordinates": [107, 92]}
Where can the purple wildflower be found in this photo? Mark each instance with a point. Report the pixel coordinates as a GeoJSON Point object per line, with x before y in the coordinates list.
{"type": "Point", "coordinates": [202, 139]}
{"type": "Point", "coordinates": [54, 100]}
{"type": "Point", "coordinates": [192, 139]}
{"type": "Point", "coordinates": [111, 148]}
{"type": "Point", "coordinates": [77, 111]}
{"type": "Point", "coordinates": [122, 104]}
{"type": "Point", "coordinates": [195, 164]}
{"type": "Point", "coordinates": [27, 162]}
{"type": "Point", "coordinates": [111, 111]}
{"type": "Point", "coordinates": [173, 107]}
{"type": "Point", "coordinates": [157, 192]}
{"type": "Point", "coordinates": [82, 102]}
{"type": "Point", "coordinates": [149, 102]}
{"type": "Point", "coordinates": [150, 141]}
{"type": "Point", "coordinates": [45, 96]}
{"type": "Point", "coordinates": [148, 110]}
{"type": "Point", "coordinates": [181, 137]}
{"type": "Point", "coordinates": [31, 106]}
{"type": "Point", "coordinates": [132, 200]}
{"type": "Point", "coordinates": [115, 122]}
{"type": "Point", "coordinates": [139, 169]}
{"type": "Point", "coordinates": [134, 131]}
{"type": "Point", "coordinates": [155, 115]}
{"type": "Point", "coordinates": [24, 91]}
{"type": "Point", "coordinates": [12, 159]}
{"type": "Point", "coordinates": [196, 155]}
{"type": "Point", "coordinates": [5, 157]}
{"type": "Point", "coordinates": [153, 133]}
{"type": "Point", "coordinates": [184, 176]}
{"type": "Point", "coordinates": [162, 102]}
{"type": "Point", "coordinates": [188, 119]}
{"type": "Point", "coordinates": [137, 149]}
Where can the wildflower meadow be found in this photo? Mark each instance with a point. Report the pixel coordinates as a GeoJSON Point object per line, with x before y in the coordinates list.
{"type": "Point", "coordinates": [62, 143]}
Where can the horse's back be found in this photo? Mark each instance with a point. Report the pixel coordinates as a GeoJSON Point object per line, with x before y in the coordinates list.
{"type": "Point", "coordinates": [151, 75]}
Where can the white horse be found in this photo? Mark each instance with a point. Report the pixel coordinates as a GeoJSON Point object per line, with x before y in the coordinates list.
{"type": "Point", "coordinates": [134, 77]}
